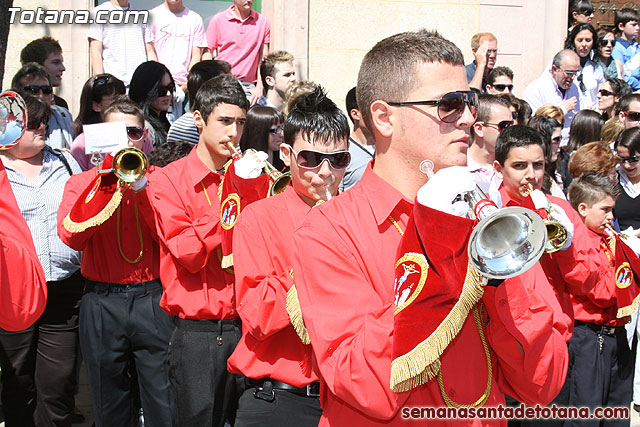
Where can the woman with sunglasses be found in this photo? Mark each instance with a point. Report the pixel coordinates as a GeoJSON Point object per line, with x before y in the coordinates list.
{"type": "Point", "coordinates": [263, 132]}
{"type": "Point", "coordinates": [627, 209]}
{"type": "Point", "coordinates": [606, 41]}
{"type": "Point", "coordinates": [583, 40]}
{"type": "Point", "coordinates": [152, 88]}
{"type": "Point", "coordinates": [97, 94]}
{"type": "Point", "coordinates": [39, 364]}
{"type": "Point", "coordinates": [609, 94]}
{"type": "Point", "coordinates": [580, 12]}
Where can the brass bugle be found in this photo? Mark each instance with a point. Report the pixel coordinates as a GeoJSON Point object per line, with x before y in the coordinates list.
{"type": "Point", "coordinates": [279, 180]}
{"type": "Point", "coordinates": [557, 235]}
{"type": "Point", "coordinates": [130, 164]}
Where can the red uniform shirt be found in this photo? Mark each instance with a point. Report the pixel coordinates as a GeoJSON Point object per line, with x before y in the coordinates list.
{"type": "Point", "coordinates": [263, 258]}
{"type": "Point", "coordinates": [23, 288]}
{"type": "Point", "coordinates": [101, 258]}
{"type": "Point", "coordinates": [187, 206]}
{"type": "Point", "coordinates": [573, 271]}
{"type": "Point", "coordinates": [599, 305]}
{"type": "Point", "coordinates": [345, 253]}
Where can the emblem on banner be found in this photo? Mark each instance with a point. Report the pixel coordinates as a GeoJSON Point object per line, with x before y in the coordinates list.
{"type": "Point", "coordinates": [410, 276]}
{"type": "Point", "coordinates": [624, 276]}
{"type": "Point", "coordinates": [229, 211]}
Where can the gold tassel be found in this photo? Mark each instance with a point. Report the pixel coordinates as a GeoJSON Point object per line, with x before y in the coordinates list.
{"type": "Point", "coordinates": [101, 217]}
{"type": "Point", "coordinates": [295, 315]}
{"type": "Point", "coordinates": [422, 364]}
{"type": "Point", "coordinates": [227, 261]}
{"type": "Point", "coordinates": [630, 309]}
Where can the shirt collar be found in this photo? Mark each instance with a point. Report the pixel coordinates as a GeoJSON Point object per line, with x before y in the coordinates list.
{"type": "Point", "coordinates": [232, 16]}
{"type": "Point", "coordinates": [383, 198]}
{"type": "Point", "coordinates": [472, 165]}
{"type": "Point", "coordinates": [506, 199]}
{"type": "Point", "coordinates": [198, 170]}
{"type": "Point", "coordinates": [296, 206]}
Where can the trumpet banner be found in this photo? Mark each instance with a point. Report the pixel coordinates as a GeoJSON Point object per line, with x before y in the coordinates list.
{"type": "Point", "coordinates": [434, 290]}
{"type": "Point", "coordinates": [236, 194]}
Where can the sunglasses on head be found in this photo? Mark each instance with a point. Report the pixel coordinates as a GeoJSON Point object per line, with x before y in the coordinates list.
{"type": "Point", "coordinates": [34, 89]}
{"type": "Point", "coordinates": [605, 92]}
{"type": "Point", "coordinates": [501, 125]}
{"type": "Point", "coordinates": [631, 160]}
{"type": "Point", "coordinates": [501, 87]}
{"type": "Point", "coordinates": [162, 90]}
{"type": "Point", "coordinates": [135, 133]}
{"type": "Point", "coordinates": [586, 12]}
{"type": "Point", "coordinates": [101, 80]}
{"type": "Point", "coordinates": [276, 129]}
{"type": "Point", "coordinates": [451, 106]}
{"type": "Point", "coordinates": [605, 42]}
{"type": "Point", "coordinates": [311, 159]}
{"type": "Point", "coordinates": [634, 116]}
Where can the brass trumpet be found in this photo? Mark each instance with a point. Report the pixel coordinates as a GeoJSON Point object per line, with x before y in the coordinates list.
{"type": "Point", "coordinates": [130, 164]}
{"type": "Point", "coordinates": [279, 180]}
{"type": "Point", "coordinates": [557, 235]}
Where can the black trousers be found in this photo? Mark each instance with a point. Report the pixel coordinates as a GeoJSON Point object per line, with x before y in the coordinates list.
{"type": "Point", "coordinates": [206, 393]}
{"type": "Point", "coordinates": [286, 409]}
{"type": "Point", "coordinates": [599, 377]}
{"type": "Point", "coordinates": [40, 364]}
{"type": "Point", "coordinates": [117, 322]}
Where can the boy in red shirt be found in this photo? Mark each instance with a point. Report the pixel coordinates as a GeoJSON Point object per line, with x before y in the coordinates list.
{"type": "Point", "coordinates": [602, 369]}
{"type": "Point", "coordinates": [198, 292]}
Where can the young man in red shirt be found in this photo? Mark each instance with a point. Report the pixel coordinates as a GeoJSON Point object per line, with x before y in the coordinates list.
{"type": "Point", "coordinates": [282, 388]}
{"type": "Point", "coordinates": [346, 253]}
{"type": "Point", "coordinates": [120, 317]}
{"type": "Point", "coordinates": [198, 292]}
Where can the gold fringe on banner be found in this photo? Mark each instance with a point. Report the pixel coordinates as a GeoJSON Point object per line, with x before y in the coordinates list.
{"type": "Point", "coordinates": [102, 216]}
{"type": "Point", "coordinates": [630, 309]}
{"type": "Point", "coordinates": [422, 364]}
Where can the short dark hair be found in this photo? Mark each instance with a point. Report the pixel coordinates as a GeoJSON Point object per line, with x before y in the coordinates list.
{"type": "Point", "coordinates": [625, 102]}
{"type": "Point", "coordinates": [592, 188]}
{"type": "Point", "coordinates": [630, 139]}
{"type": "Point", "coordinates": [586, 126]}
{"type": "Point", "coordinates": [351, 102]}
{"type": "Point", "coordinates": [317, 118]}
{"type": "Point", "coordinates": [523, 109]}
{"type": "Point", "coordinates": [125, 105]}
{"type": "Point", "coordinates": [223, 89]}
{"type": "Point", "coordinates": [626, 15]}
{"type": "Point", "coordinates": [497, 72]}
{"type": "Point", "coordinates": [203, 71]}
{"type": "Point", "coordinates": [29, 70]}
{"type": "Point", "coordinates": [39, 50]}
{"type": "Point", "coordinates": [389, 70]}
{"type": "Point", "coordinates": [517, 136]}
{"type": "Point", "coordinates": [569, 42]}
{"type": "Point", "coordinates": [485, 103]}
{"type": "Point", "coordinates": [269, 62]}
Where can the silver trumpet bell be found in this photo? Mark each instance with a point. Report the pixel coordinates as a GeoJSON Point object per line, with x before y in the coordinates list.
{"type": "Point", "coordinates": [506, 242]}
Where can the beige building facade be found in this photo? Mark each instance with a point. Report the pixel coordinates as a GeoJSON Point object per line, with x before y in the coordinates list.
{"type": "Point", "coordinates": [330, 37]}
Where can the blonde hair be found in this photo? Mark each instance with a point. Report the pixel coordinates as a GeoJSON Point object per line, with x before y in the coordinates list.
{"type": "Point", "coordinates": [611, 129]}
{"type": "Point", "coordinates": [480, 37]}
{"type": "Point", "coordinates": [296, 91]}
{"type": "Point", "coordinates": [551, 111]}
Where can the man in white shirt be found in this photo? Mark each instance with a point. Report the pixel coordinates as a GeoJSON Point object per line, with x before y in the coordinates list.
{"type": "Point", "coordinates": [556, 87]}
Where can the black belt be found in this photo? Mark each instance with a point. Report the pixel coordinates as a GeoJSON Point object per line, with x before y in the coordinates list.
{"type": "Point", "coordinates": [265, 386]}
{"type": "Point", "coordinates": [600, 329]}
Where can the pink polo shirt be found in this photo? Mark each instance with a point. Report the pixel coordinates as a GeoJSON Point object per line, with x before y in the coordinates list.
{"type": "Point", "coordinates": [239, 42]}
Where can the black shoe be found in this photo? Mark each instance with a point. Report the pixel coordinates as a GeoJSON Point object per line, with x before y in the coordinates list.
{"type": "Point", "coordinates": [636, 407]}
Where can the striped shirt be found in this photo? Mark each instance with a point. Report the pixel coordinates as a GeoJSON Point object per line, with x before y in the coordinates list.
{"type": "Point", "coordinates": [183, 129]}
{"type": "Point", "coordinates": [38, 202]}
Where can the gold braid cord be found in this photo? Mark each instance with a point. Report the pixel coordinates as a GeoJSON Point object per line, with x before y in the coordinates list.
{"type": "Point", "coordinates": [102, 216]}
{"type": "Point", "coordinates": [422, 364]}
{"type": "Point", "coordinates": [630, 309]}
{"type": "Point", "coordinates": [295, 313]}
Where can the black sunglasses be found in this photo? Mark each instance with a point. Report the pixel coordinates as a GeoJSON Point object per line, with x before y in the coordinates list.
{"type": "Point", "coordinates": [450, 106]}
{"type": "Point", "coordinates": [162, 90]}
{"type": "Point", "coordinates": [135, 133]}
{"type": "Point", "coordinates": [634, 116]}
{"type": "Point", "coordinates": [276, 130]}
{"type": "Point", "coordinates": [311, 159]}
{"type": "Point", "coordinates": [503, 87]}
{"type": "Point", "coordinates": [35, 124]}
{"type": "Point", "coordinates": [631, 160]}
{"type": "Point", "coordinates": [605, 92]}
{"type": "Point", "coordinates": [604, 42]}
{"type": "Point", "coordinates": [501, 125]}
{"type": "Point", "coordinates": [34, 89]}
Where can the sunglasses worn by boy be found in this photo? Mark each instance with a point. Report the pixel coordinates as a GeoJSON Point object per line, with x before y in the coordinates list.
{"type": "Point", "coordinates": [451, 106]}
{"type": "Point", "coordinates": [501, 125]}
{"type": "Point", "coordinates": [311, 159]}
{"type": "Point", "coordinates": [634, 116]}
{"type": "Point", "coordinates": [502, 87]}
{"type": "Point", "coordinates": [135, 133]}
{"type": "Point", "coordinates": [34, 89]}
